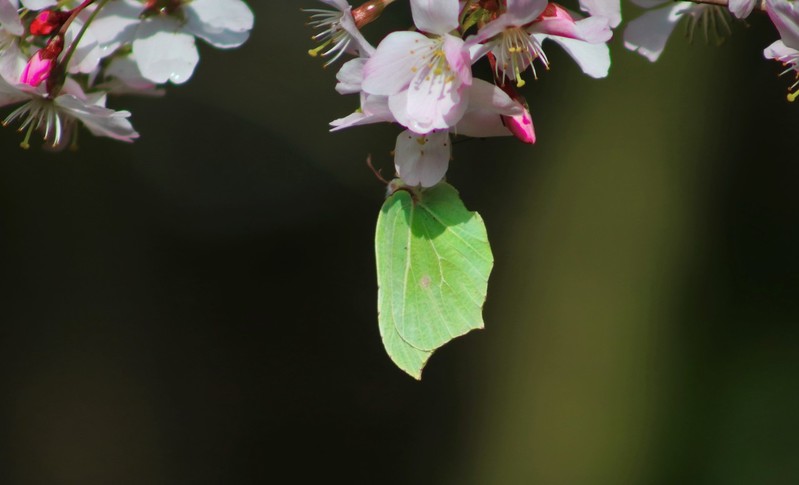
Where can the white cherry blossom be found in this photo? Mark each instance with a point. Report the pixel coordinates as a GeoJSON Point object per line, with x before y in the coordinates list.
{"type": "Point", "coordinates": [57, 117]}
{"type": "Point", "coordinates": [163, 42]}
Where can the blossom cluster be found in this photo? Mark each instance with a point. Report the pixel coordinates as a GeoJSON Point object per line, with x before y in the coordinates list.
{"type": "Point", "coordinates": [61, 59]}
{"type": "Point", "coordinates": [423, 79]}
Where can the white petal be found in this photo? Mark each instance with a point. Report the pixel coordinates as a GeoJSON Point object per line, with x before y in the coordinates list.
{"type": "Point", "coordinates": [609, 9]}
{"type": "Point", "coordinates": [742, 8]}
{"type": "Point", "coordinates": [100, 121]}
{"type": "Point", "coordinates": [487, 103]}
{"type": "Point", "coordinates": [593, 59]}
{"type": "Point", "coordinates": [12, 61]}
{"type": "Point", "coordinates": [88, 54]}
{"type": "Point", "coordinates": [126, 70]}
{"type": "Point", "coordinates": [648, 34]}
{"type": "Point", "coordinates": [163, 52]}
{"type": "Point", "coordinates": [10, 94]}
{"type": "Point", "coordinates": [422, 159]}
{"type": "Point", "coordinates": [435, 16]}
{"type": "Point", "coordinates": [9, 18]}
{"type": "Point", "coordinates": [116, 23]}
{"type": "Point", "coordinates": [781, 52]}
{"type": "Point", "coordinates": [350, 76]}
{"type": "Point", "coordinates": [374, 109]}
{"type": "Point", "coordinates": [39, 4]}
{"type": "Point", "coordinates": [487, 96]}
{"type": "Point", "coordinates": [221, 23]}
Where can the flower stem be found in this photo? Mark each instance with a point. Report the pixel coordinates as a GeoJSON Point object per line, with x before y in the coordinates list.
{"type": "Point", "coordinates": [74, 44]}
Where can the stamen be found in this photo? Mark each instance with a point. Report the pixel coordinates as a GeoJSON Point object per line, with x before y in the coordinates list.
{"type": "Point", "coordinates": [333, 36]}
{"type": "Point", "coordinates": [433, 67]}
{"type": "Point", "coordinates": [714, 21]}
{"type": "Point", "coordinates": [25, 144]}
{"type": "Point", "coordinates": [517, 51]}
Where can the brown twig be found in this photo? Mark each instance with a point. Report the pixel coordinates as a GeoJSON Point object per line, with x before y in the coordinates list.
{"type": "Point", "coordinates": [374, 170]}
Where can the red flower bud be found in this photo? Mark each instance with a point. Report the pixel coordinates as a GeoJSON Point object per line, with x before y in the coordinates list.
{"type": "Point", "coordinates": [48, 21]}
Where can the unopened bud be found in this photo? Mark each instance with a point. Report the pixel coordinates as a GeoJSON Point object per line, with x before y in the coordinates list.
{"type": "Point", "coordinates": [521, 126]}
{"type": "Point", "coordinates": [40, 66]}
{"type": "Point", "coordinates": [369, 12]}
{"type": "Point", "coordinates": [48, 21]}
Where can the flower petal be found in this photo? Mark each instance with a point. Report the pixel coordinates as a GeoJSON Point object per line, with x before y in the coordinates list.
{"type": "Point", "coordinates": [435, 16]}
{"type": "Point", "coordinates": [222, 23]}
{"type": "Point", "coordinates": [782, 53]}
{"type": "Point", "coordinates": [116, 23]}
{"type": "Point", "coordinates": [523, 12]}
{"type": "Point", "coordinates": [609, 9]}
{"type": "Point", "coordinates": [648, 34]}
{"type": "Point", "coordinates": [10, 94]}
{"type": "Point", "coordinates": [593, 59]}
{"type": "Point", "coordinates": [163, 52]}
{"type": "Point", "coordinates": [558, 21]}
{"type": "Point", "coordinates": [350, 76]}
{"type": "Point", "coordinates": [487, 103]}
{"type": "Point", "coordinates": [374, 109]}
{"type": "Point", "coordinates": [742, 8]}
{"type": "Point", "coordinates": [394, 63]}
{"type": "Point", "coordinates": [9, 18]}
{"type": "Point", "coordinates": [39, 4]}
{"type": "Point", "coordinates": [785, 16]}
{"type": "Point", "coordinates": [97, 119]}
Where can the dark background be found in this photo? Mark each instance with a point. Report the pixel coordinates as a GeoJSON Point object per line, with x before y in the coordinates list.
{"type": "Point", "coordinates": [200, 306]}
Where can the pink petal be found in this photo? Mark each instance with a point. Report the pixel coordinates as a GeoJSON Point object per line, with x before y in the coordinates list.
{"type": "Point", "coordinates": [435, 16]}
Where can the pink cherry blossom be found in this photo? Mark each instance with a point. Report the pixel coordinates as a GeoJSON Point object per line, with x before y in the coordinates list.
{"type": "Point", "coordinates": [424, 78]}
{"type": "Point", "coordinates": [515, 38]}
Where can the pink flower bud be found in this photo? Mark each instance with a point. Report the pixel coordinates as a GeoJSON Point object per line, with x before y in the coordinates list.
{"type": "Point", "coordinates": [521, 126]}
{"type": "Point", "coordinates": [37, 70]}
{"type": "Point", "coordinates": [41, 65]}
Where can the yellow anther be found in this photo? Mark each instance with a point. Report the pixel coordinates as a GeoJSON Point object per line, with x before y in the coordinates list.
{"type": "Point", "coordinates": [315, 52]}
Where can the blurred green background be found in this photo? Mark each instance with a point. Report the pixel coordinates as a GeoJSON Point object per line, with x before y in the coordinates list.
{"type": "Point", "coordinates": [200, 306]}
